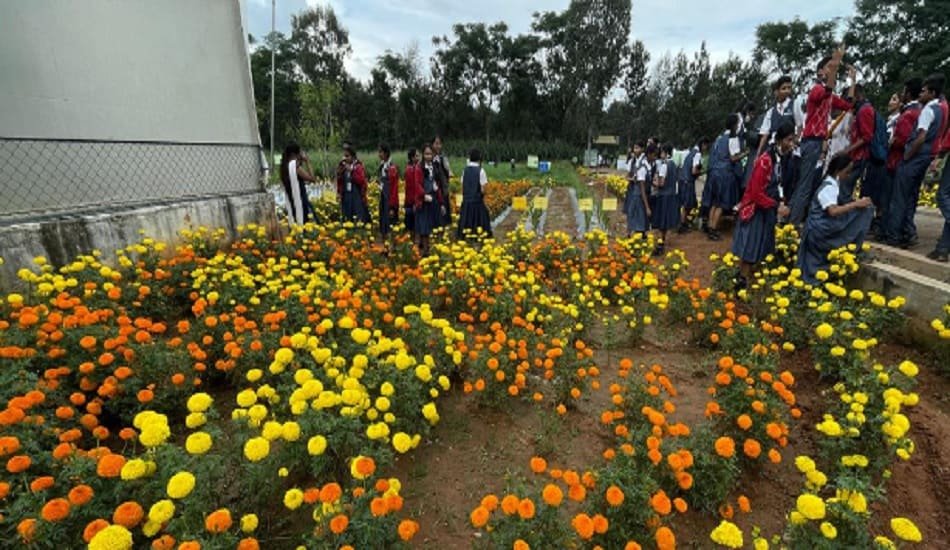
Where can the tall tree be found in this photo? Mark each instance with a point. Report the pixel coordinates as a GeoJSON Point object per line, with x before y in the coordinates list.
{"type": "Point", "coordinates": [286, 104]}
{"type": "Point", "coordinates": [322, 43]}
{"type": "Point", "coordinates": [794, 47]}
{"type": "Point", "coordinates": [321, 128]}
{"type": "Point", "coordinates": [894, 39]}
{"type": "Point", "coordinates": [584, 47]}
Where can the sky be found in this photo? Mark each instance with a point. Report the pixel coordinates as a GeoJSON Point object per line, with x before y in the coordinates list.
{"type": "Point", "coordinates": [662, 25]}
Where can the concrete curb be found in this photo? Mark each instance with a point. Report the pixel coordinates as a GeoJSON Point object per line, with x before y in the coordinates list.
{"type": "Point", "coordinates": [544, 215]}
{"type": "Point", "coordinates": [925, 296]}
{"type": "Point", "coordinates": [579, 219]}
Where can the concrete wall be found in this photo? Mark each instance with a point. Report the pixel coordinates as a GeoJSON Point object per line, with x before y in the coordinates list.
{"type": "Point", "coordinates": [167, 70]}
{"type": "Point", "coordinates": [61, 240]}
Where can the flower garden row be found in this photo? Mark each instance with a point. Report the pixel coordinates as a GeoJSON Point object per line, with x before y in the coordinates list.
{"type": "Point", "coordinates": [254, 395]}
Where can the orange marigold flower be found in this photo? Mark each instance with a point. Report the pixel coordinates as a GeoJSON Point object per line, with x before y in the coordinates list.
{"type": "Point", "coordinates": [218, 521]}
{"type": "Point", "coordinates": [26, 529]}
{"type": "Point", "coordinates": [190, 545]}
{"type": "Point", "coordinates": [330, 493]}
{"type": "Point", "coordinates": [110, 465]}
{"type": "Point", "coordinates": [164, 542]}
{"type": "Point", "coordinates": [479, 517]}
{"type": "Point", "coordinates": [80, 494]}
{"type": "Point", "coordinates": [774, 456]}
{"type": "Point", "coordinates": [4, 489]}
{"type": "Point", "coordinates": [538, 465]}
{"type": "Point", "coordinates": [583, 525]}
{"type": "Point", "coordinates": [680, 505]}
{"type": "Point", "coordinates": [509, 504]}
{"type": "Point", "coordinates": [55, 510]}
{"type": "Point", "coordinates": [661, 503]}
{"type": "Point", "coordinates": [665, 539]}
{"type": "Point", "coordinates": [339, 523]}
{"type": "Point", "coordinates": [631, 545]}
{"type": "Point", "coordinates": [552, 495]}
{"type": "Point", "coordinates": [8, 445]}
{"type": "Point", "coordinates": [614, 496]}
{"type": "Point", "coordinates": [378, 507]}
{"type": "Point", "coordinates": [600, 524]}
{"type": "Point", "coordinates": [249, 543]}
{"type": "Point", "coordinates": [407, 529]}
{"type": "Point", "coordinates": [725, 447]}
{"type": "Point", "coordinates": [18, 464]}
{"type": "Point", "coordinates": [490, 502]}
{"type": "Point", "coordinates": [577, 493]}
{"type": "Point", "coordinates": [520, 545]}
{"type": "Point", "coordinates": [744, 505]}
{"type": "Point", "coordinates": [744, 421]}
{"type": "Point", "coordinates": [526, 508]}
{"type": "Point", "coordinates": [93, 528]}
{"type": "Point", "coordinates": [128, 514]}
{"type": "Point", "coordinates": [752, 448]}
{"type": "Point", "coordinates": [41, 483]}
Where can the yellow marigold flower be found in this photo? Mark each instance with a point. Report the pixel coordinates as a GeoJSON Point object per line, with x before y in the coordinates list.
{"type": "Point", "coordinates": [256, 449]}
{"type": "Point", "coordinates": [180, 485]}
{"type": "Point", "coordinates": [908, 369]}
{"type": "Point", "coordinates": [134, 469]}
{"type": "Point", "coordinates": [249, 523]}
{"type": "Point", "coordinates": [804, 464]}
{"type": "Point", "coordinates": [199, 402]}
{"type": "Point", "coordinates": [727, 534]}
{"type": "Point", "coordinates": [113, 537]}
{"type": "Point", "coordinates": [198, 443]}
{"type": "Point", "coordinates": [760, 544]}
{"type": "Point", "coordinates": [360, 335]}
{"type": "Point", "coordinates": [885, 543]}
{"type": "Point", "coordinates": [161, 511]}
{"type": "Point", "coordinates": [196, 420]}
{"type": "Point", "coordinates": [402, 442]}
{"type": "Point", "coordinates": [828, 530]}
{"type": "Point", "coordinates": [293, 498]}
{"type": "Point", "coordinates": [316, 445]}
{"type": "Point", "coordinates": [246, 398]}
{"type": "Point", "coordinates": [824, 331]}
{"type": "Point", "coordinates": [284, 356]}
{"type": "Point", "coordinates": [810, 506]}
{"type": "Point", "coordinates": [906, 530]}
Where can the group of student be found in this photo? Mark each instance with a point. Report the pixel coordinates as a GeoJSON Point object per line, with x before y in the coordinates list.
{"type": "Point", "coordinates": [794, 172]}
{"type": "Point", "coordinates": [427, 200]}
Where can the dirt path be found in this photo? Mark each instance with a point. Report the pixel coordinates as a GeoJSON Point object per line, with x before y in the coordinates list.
{"type": "Point", "coordinates": [560, 216]}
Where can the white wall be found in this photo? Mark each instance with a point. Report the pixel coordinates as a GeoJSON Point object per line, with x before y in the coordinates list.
{"type": "Point", "coordinates": [164, 70]}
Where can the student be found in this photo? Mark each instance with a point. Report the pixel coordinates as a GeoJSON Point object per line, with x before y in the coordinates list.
{"type": "Point", "coordinates": [636, 204]}
{"type": "Point", "coordinates": [778, 115]}
{"type": "Point", "coordinates": [413, 179]}
{"type": "Point", "coordinates": [894, 105]}
{"type": "Point", "coordinates": [666, 212]}
{"type": "Point", "coordinates": [904, 126]}
{"type": "Point", "coordinates": [388, 191]}
{"type": "Point", "coordinates": [443, 171]}
{"type": "Point", "coordinates": [295, 174]}
{"type": "Point", "coordinates": [351, 188]}
{"type": "Point", "coordinates": [689, 173]}
{"type": "Point", "coordinates": [750, 139]}
{"type": "Point", "coordinates": [832, 223]}
{"type": "Point", "coordinates": [821, 99]}
{"type": "Point", "coordinates": [428, 199]}
{"type": "Point", "coordinates": [942, 249]}
{"type": "Point", "coordinates": [473, 216]}
{"type": "Point", "coordinates": [862, 133]}
{"type": "Point", "coordinates": [901, 230]}
{"type": "Point", "coordinates": [725, 171]}
{"type": "Point", "coordinates": [762, 205]}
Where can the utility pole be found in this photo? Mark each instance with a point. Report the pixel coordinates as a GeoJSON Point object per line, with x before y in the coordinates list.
{"type": "Point", "coordinates": [273, 48]}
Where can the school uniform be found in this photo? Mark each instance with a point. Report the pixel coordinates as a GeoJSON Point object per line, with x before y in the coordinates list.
{"type": "Point", "coordinates": [633, 205]}
{"type": "Point", "coordinates": [724, 174]}
{"type": "Point", "coordinates": [862, 168]}
{"type": "Point", "coordinates": [821, 99]}
{"type": "Point", "coordinates": [687, 179]}
{"type": "Point", "coordinates": [388, 196]}
{"type": "Point", "coordinates": [442, 171]}
{"type": "Point", "coordinates": [779, 115]}
{"type": "Point", "coordinates": [943, 191]}
{"type": "Point", "coordinates": [351, 187]}
{"type": "Point", "coordinates": [473, 216]}
{"type": "Point", "coordinates": [901, 228]}
{"type": "Point", "coordinates": [823, 232]}
{"type": "Point", "coordinates": [754, 238]}
{"type": "Point", "coordinates": [299, 209]}
{"type": "Point", "coordinates": [666, 209]}
{"type": "Point", "coordinates": [413, 179]}
{"type": "Point", "coordinates": [751, 139]}
{"type": "Point", "coordinates": [427, 211]}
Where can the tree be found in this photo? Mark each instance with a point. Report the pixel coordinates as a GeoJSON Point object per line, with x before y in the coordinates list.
{"type": "Point", "coordinates": [794, 47]}
{"type": "Point", "coordinates": [471, 65]}
{"type": "Point", "coordinates": [895, 39]}
{"type": "Point", "coordinates": [321, 42]}
{"type": "Point", "coordinates": [286, 104]}
{"type": "Point", "coordinates": [584, 46]}
{"type": "Point", "coordinates": [321, 129]}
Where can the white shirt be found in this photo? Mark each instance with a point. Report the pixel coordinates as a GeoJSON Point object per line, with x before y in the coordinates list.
{"type": "Point", "coordinates": [697, 158]}
{"type": "Point", "coordinates": [841, 137]}
{"type": "Point", "coordinates": [295, 206]}
{"type": "Point", "coordinates": [926, 117]}
{"type": "Point", "coordinates": [798, 109]}
{"type": "Point", "coordinates": [643, 169]}
{"type": "Point", "coordinates": [828, 196]}
{"type": "Point", "coordinates": [766, 128]}
{"type": "Point", "coordinates": [661, 170]}
{"type": "Point", "coordinates": [891, 124]}
{"type": "Point", "coordinates": [735, 146]}
{"type": "Point", "coordinates": [483, 177]}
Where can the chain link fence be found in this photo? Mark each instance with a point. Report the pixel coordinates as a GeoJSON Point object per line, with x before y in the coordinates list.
{"type": "Point", "coordinates": [42, 178]}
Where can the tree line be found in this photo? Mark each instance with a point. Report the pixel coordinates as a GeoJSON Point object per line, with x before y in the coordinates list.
{"type": "Point", "coordinates": [574, 75]}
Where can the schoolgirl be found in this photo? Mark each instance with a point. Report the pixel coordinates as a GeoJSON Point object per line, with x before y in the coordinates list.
{"type": "Point", "coordinates": [443, 173]}
{"type": "Point", "coordinates": [294, 175]}
{"type": "Point", "coordinates": [761, 205]}
{"type": "Point", "coordinates": [427, 202]}
{"type": "Point", "coordinates": [388, 191]}
{"type": "Point", "coordinates": [473, 216]}
{"type": "Point", "coordinates": [832, 223]}
{"type": "Point", "coordinates": [666, 210]}
{"type": "Point", "coordinates": [689, 173]}
{"type": "Point", "coordinates": [413, 179]}
{"type": "Point", "coordinates": [636, 204]}
{"type": "Point", "coordinates": [725, 172]}
{"type": "Point", "coordinates": [351, 188]}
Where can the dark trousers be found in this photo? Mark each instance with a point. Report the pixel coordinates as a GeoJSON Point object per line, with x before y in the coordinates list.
{"type": "Point", "coordinates": [846, 186]}
{"type": "Point", "coordinates": [943, 202]}
{"type": "Point", "coordinates": [899, 225]}
{"type": "Point", "coordinates": [801, 198]}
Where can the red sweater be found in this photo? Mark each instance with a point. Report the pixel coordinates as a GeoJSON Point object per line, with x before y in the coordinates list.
{"type": "Point", "coordinates": [393, 174]}
{"type": "Point", "coordinates": [942, 144]}
{"type": "Point", "coordinates": [906, 125]}
{"type": "Point", "coordinates": [357, 176]}
{"type": "Point", "coordinates": [863, 128]}
{"type": "Point", "coordinates": [755, 192]}
{"type": "Point", "coordinates": [818, 108]}
{"type": "Point", "coordinates": [413, 177]}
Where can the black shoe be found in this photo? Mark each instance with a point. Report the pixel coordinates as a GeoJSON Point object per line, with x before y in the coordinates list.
{"type": "Point", "coordinates": [713, 235]}
{"type": "Point", "coordinates": [683, 228]}
{"type": "Point", "coordinates": [658, 251]}
{"type": "Point", "coordinates": [909, 243]}
{"type": "Point", "coordinates": [938, 255]}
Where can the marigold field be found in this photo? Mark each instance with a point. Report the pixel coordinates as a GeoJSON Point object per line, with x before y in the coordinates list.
{"type": "Point", "coordinates": [269, 392]}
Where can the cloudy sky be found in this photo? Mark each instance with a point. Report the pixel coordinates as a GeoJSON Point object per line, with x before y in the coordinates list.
{"type": "Point", "coordinates": [663, 25]}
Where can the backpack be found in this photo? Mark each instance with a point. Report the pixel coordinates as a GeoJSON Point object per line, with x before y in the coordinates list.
{"type": "Point", "coordinates": [880, 142]}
